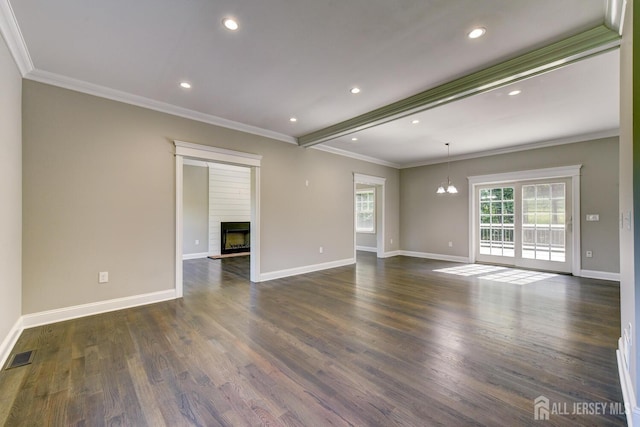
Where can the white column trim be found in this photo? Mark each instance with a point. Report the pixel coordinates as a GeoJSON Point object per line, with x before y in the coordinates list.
{"type": "Point", "coordinates": [179, 224]}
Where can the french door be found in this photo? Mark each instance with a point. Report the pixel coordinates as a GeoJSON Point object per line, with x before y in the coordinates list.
{"type": "Point", "coordinates": [525, 224]}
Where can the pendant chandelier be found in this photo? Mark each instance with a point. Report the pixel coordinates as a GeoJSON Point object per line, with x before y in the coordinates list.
{"type": "Point", "coordinates": [450, 188]}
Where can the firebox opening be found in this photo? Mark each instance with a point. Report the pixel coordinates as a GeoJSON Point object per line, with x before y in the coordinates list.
{"type": "Point", "coordinates": [235, 237]}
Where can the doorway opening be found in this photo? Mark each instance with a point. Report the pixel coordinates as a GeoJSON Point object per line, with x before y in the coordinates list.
{"type": "Point", "coordinates": [189, 151]}
{"type": "Point", "coordinates": [369, 214]}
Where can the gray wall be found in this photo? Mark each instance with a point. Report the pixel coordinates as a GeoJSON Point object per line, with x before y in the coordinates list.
{"type": "Point", "coordinates": [429, 221]}
{"type": "Point", "coordinates": [629, 132]}
{"type": "Point", "coordinates": [88, 207]}
{"type": "Point", "coordinates": [195, 209]}
{"type": "Point", "coordinates": [10, 192]}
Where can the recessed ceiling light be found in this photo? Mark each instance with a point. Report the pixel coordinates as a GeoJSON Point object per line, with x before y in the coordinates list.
{"type": "Point", "coordinates": [355, 90]}
{"type": "Point", "coordinates": [230, 24]}
{"type": "Point", "coordinates": [515, 92]}
{"type": "Point", "coordinates": [415, 122]}
{"type": "Point", "coordinates": [293, 119]}
{"type": "Point", "coordinates": [477, 32]}
{"type": "Point", "coordinates": [185, 85]}
{"type": "Point", "coordinates": [354, 139]}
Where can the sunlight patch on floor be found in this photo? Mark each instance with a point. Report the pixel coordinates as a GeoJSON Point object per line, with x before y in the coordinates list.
{"type": "Point", "coordinates": [498, 274]}
{"type": "Point", "coordinates": [470, 269]}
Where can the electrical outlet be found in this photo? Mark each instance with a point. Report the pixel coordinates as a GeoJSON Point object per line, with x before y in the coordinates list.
{"type": "Point", "coordinates": [450, 244]}
{"type": "Point", "coordinates": [391, 241]}
{"type": "Point", "coordinates": [103, 277]}
{"type": "Point", "coordinates": [321, 250]}
{"type": "Point", "coordinates": [197, 242]}
{"type": "Point", "coordinates": [589, 254]}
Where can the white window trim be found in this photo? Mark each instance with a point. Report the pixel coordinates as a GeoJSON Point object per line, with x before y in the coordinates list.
{"type": "Point", "coordinates": [572, 172]}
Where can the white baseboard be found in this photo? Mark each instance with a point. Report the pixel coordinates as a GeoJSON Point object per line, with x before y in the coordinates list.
{"type": "Point", "coordinates": [391, 254]}
{"type": "Point", "coordinates": [305, 269]}
{"type": "Point", "coordinates": [602, 275]}
{"type": "Point", "coordinates": [10, 340]}
{"type": "Point", "coordinates": [631, 409]}
{"type": "Point", "coordinates": [438, 257]}
{"type": "Point", "coordinates": [68, 313]}
{"type": "Point", "coordinates": [195, 256]}
{"type": "Point", "coordinates": [375, 250]}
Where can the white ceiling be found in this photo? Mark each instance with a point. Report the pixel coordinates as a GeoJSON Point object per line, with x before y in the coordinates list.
{"type": "Point", "coordinates": [300, 58]}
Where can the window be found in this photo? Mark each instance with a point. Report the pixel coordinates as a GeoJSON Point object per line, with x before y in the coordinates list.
{"type": "Point", "coordinates": [366, 210]}
{"type": "Point", "coordinates": [497, 221]}
{"type": "Point", "coordinates": [543, 222]}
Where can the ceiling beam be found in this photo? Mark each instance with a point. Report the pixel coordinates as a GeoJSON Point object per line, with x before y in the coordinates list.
{"type": "Point", "coordinates": [572, 49]}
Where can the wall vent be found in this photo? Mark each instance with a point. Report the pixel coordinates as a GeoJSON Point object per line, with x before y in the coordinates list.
{"type": "Point", "coordinates": [21, 359]}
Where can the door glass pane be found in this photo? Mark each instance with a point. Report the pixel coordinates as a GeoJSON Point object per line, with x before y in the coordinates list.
{"type": "Point", "coordinates": [543, 222]}
{"type": "Point", "coordinates": [507, 193]}
{"type": "Point", "coordinates": [497, 222]}
{"type": "Point", "coordinates": [507, 208]}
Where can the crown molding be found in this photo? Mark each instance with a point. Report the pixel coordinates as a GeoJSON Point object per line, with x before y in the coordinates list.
{"type": "Point", "coordinates": [556, 55]}
{"type": "Point", "coordinates": [525, 147]}
{"type": "Point", "coordinates": [13, 37]}
{"type": "Point", "coordinates": [140, 101]}
{"type": "Point", "coordinates": [345, 153]}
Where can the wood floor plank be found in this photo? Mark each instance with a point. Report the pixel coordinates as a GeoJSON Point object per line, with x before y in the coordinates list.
{"type": "Point", "coordinates": [388, 342]}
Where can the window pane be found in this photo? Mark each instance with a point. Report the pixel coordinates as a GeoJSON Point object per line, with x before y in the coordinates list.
{"type": "Point", "coordinates": [543, 205]}
{"type": "Point", "coordinates": [528, 192]}
{"type": "Point", "coordinates": [543, 191]}
{"type": "Point", "coordinates": [496, 228]}
{"type": "Point", "coordinates": [365, 210]}
{"type": "Point", "coordinates": [508, 208]}
{"type": "Point", "coordinates": [508, 235]}
{"type": "Point", "coordinates": [557, 205]}
{"type": "Point", "coordinates": [557, 191]}
{"type": "Point", "coordinates": [507, 193]}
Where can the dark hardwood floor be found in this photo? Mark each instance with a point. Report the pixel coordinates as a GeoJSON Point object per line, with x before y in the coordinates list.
{"type": "Point", "coordinates": [386, 342]}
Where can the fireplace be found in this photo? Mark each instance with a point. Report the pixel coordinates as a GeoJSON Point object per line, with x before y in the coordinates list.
{"type": "Point", "coordinates": [235, 237]}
